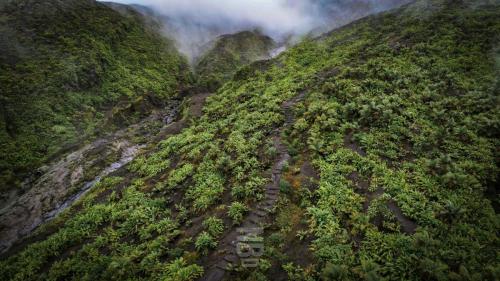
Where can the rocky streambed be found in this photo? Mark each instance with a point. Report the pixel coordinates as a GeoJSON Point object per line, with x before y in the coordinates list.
{"type": "Point", "coordinates": [59, 184]}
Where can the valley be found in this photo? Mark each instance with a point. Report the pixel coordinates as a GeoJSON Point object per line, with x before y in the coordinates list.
{"type": "Point", "coordinates": [66, 180]}
{"type": "Point", "coordinates": [369, 152]}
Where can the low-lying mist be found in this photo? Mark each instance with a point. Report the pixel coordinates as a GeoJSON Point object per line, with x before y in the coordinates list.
{"type": "Point", "coordinates": [194, 23]}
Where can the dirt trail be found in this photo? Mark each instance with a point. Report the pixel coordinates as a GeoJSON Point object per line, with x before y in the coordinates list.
{"type": "Point", "coordinates": [407, 225]}
{"type": "Point", "coordinates": [224, 257]}
{"type": "Point", "coordinates": [65, 180]}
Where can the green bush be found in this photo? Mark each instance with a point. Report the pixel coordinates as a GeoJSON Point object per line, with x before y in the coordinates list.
{"type": "Point", "coordinates": [214, 226]}
{"type": "Point", "coordinates": [178, 270]}
{"type": "Point", "coordinates": [236, 212]}
{"type": "Point", "coordinates": [205, 242]}
{"type": "Point", "coordinates": [285, 186]}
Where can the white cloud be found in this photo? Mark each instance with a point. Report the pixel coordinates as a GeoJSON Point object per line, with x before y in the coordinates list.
{"type": "Point", "coordinates": [195, 22]}
{"type": "Point", "coordinates": [274, 16]}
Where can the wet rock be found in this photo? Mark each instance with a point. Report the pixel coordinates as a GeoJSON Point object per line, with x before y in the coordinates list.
{"type": "Point", "coordinates": [61, 183]}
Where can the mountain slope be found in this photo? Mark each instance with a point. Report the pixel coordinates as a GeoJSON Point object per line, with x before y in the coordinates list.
{"type": "Point", "coordinates": [230, 52]}
{"type": "Point", "coordinates": [340, 12]}
{"type": "Point", "coordinates": [366, 154]}
{"type": "Point", "coordinates": [67, 68]}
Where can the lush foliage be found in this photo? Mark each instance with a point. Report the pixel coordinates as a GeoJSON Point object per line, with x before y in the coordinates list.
{"type": "Point", "coordinates": [71, 68]}
{"type": "Point", "coordinates": [214, 226]}
{"type": "Point", "coordinates": [130, 227]}
{"type": "Point", "coordinates": [236, 212]}
{"type": "Point", "coordinates": [204, 242]}
{"type": "Point", "coordinates": [228, 54]}
{"type": "Point", "coordinates": [401, 122]}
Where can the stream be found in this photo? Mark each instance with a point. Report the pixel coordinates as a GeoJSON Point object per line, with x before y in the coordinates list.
{"type": "Point", "coordinates": [66, 180]}
{"type": "Point", "coordinates": [127, 156]}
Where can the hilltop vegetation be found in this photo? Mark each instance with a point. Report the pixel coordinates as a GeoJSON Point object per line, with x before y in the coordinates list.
{"type": "Point", "coordinates": [341, 12]}
{"type": "Point", "coordinates": [229, 53]}
{"type": "Point", "coordinates": [400, 122]}
{"type": "Point", "coordinates": [73, 69]}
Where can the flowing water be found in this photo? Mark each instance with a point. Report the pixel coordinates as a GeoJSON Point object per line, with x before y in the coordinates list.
{"type": "Point", "coordinates": [127, 156]}
{"type": "Point", "coordinates": [66, 180]}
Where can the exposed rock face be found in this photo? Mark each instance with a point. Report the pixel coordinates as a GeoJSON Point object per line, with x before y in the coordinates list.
{"type": "Point", "coordinates": [48, 195]}
{"type": "Point", "coordinates": [66, 180]}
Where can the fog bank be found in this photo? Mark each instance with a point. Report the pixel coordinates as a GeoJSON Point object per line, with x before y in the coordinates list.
{"type": "Point", "coordinates": [194, 23]}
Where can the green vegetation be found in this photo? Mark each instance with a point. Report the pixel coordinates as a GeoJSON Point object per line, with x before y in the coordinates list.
{"type": "Point", "coordinates": [410, 107]}
{"type": "Point", "coordinates": [400, 119]}
{"type": "Point", "coordinates": [179, 271]}
{"type": "Point", "coordinates": [228, 54]}
{"type": "Point", "coordinates": [214, 226]}
{"type": "Point", "coordinates": [284, 186]}
{"type": "Point", "coordinates": [133, 230]}
{"type": "Point", "coordinates": [204, 242]}
{"type": "Point", "coordinates": [70, 70]}
{"type": "Point", "coordinates": [236, 212]}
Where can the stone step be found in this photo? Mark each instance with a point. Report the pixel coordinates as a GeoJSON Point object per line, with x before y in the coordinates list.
{"type": "Point", "coordinates": [222, 265]}
{"type": "Point", "coordinates": [273, 191]}
{"type": "Point", "coordinates": [254, 218]}
{"type": "Point", "coordinates": [266, 208]}
{"type": "Point", "coordinates": [249, 224]}
{"type": "Point", "coordinates": [260, 213]}
{"type": "Point", "coordinates": [270, 202]}
{"type": "Point", "coordinates": [273, 187]}
{"type": "Point", "coordinates": [260, 207]}
{"type": "Point", "coordinates": [269, 185]}
{"type": "Point", "coordinates": [275, 178]}
{"type": "Point", "coordinates": [231, 258]}
{"type": "Point", "coordinates": [273, 197]}
{"type": "Point", "coordinates": [215, 274]}
{"type": "Point", "coordinates": [270, 208]}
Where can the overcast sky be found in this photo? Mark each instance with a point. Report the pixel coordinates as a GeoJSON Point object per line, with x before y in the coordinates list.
{"type": "Point", "coordinates": [195, 22]}
{"type": "Point", "coordinates": [274, 16]}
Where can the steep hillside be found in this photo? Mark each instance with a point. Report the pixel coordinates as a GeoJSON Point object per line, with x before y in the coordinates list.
{"type": "Point", "coordinates": [73, 69]}
{"type": "Point", "coordinates": [370, 153]}
{"type": "Point", "coordinates": [341, 12]}
{"type": "Point", "coordinates": [229, 53]}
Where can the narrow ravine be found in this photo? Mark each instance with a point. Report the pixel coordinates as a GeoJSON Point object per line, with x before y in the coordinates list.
{"type": "Point", "coordinates": [66, 180]}
{"type": "Point", "coordinates": [128, 154]}
{"type": "Point", "coordinates": [224, 257]}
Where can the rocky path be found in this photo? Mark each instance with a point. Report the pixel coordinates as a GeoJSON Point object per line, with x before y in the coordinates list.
{"type": "Point", "coordinates": [225, 257]}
